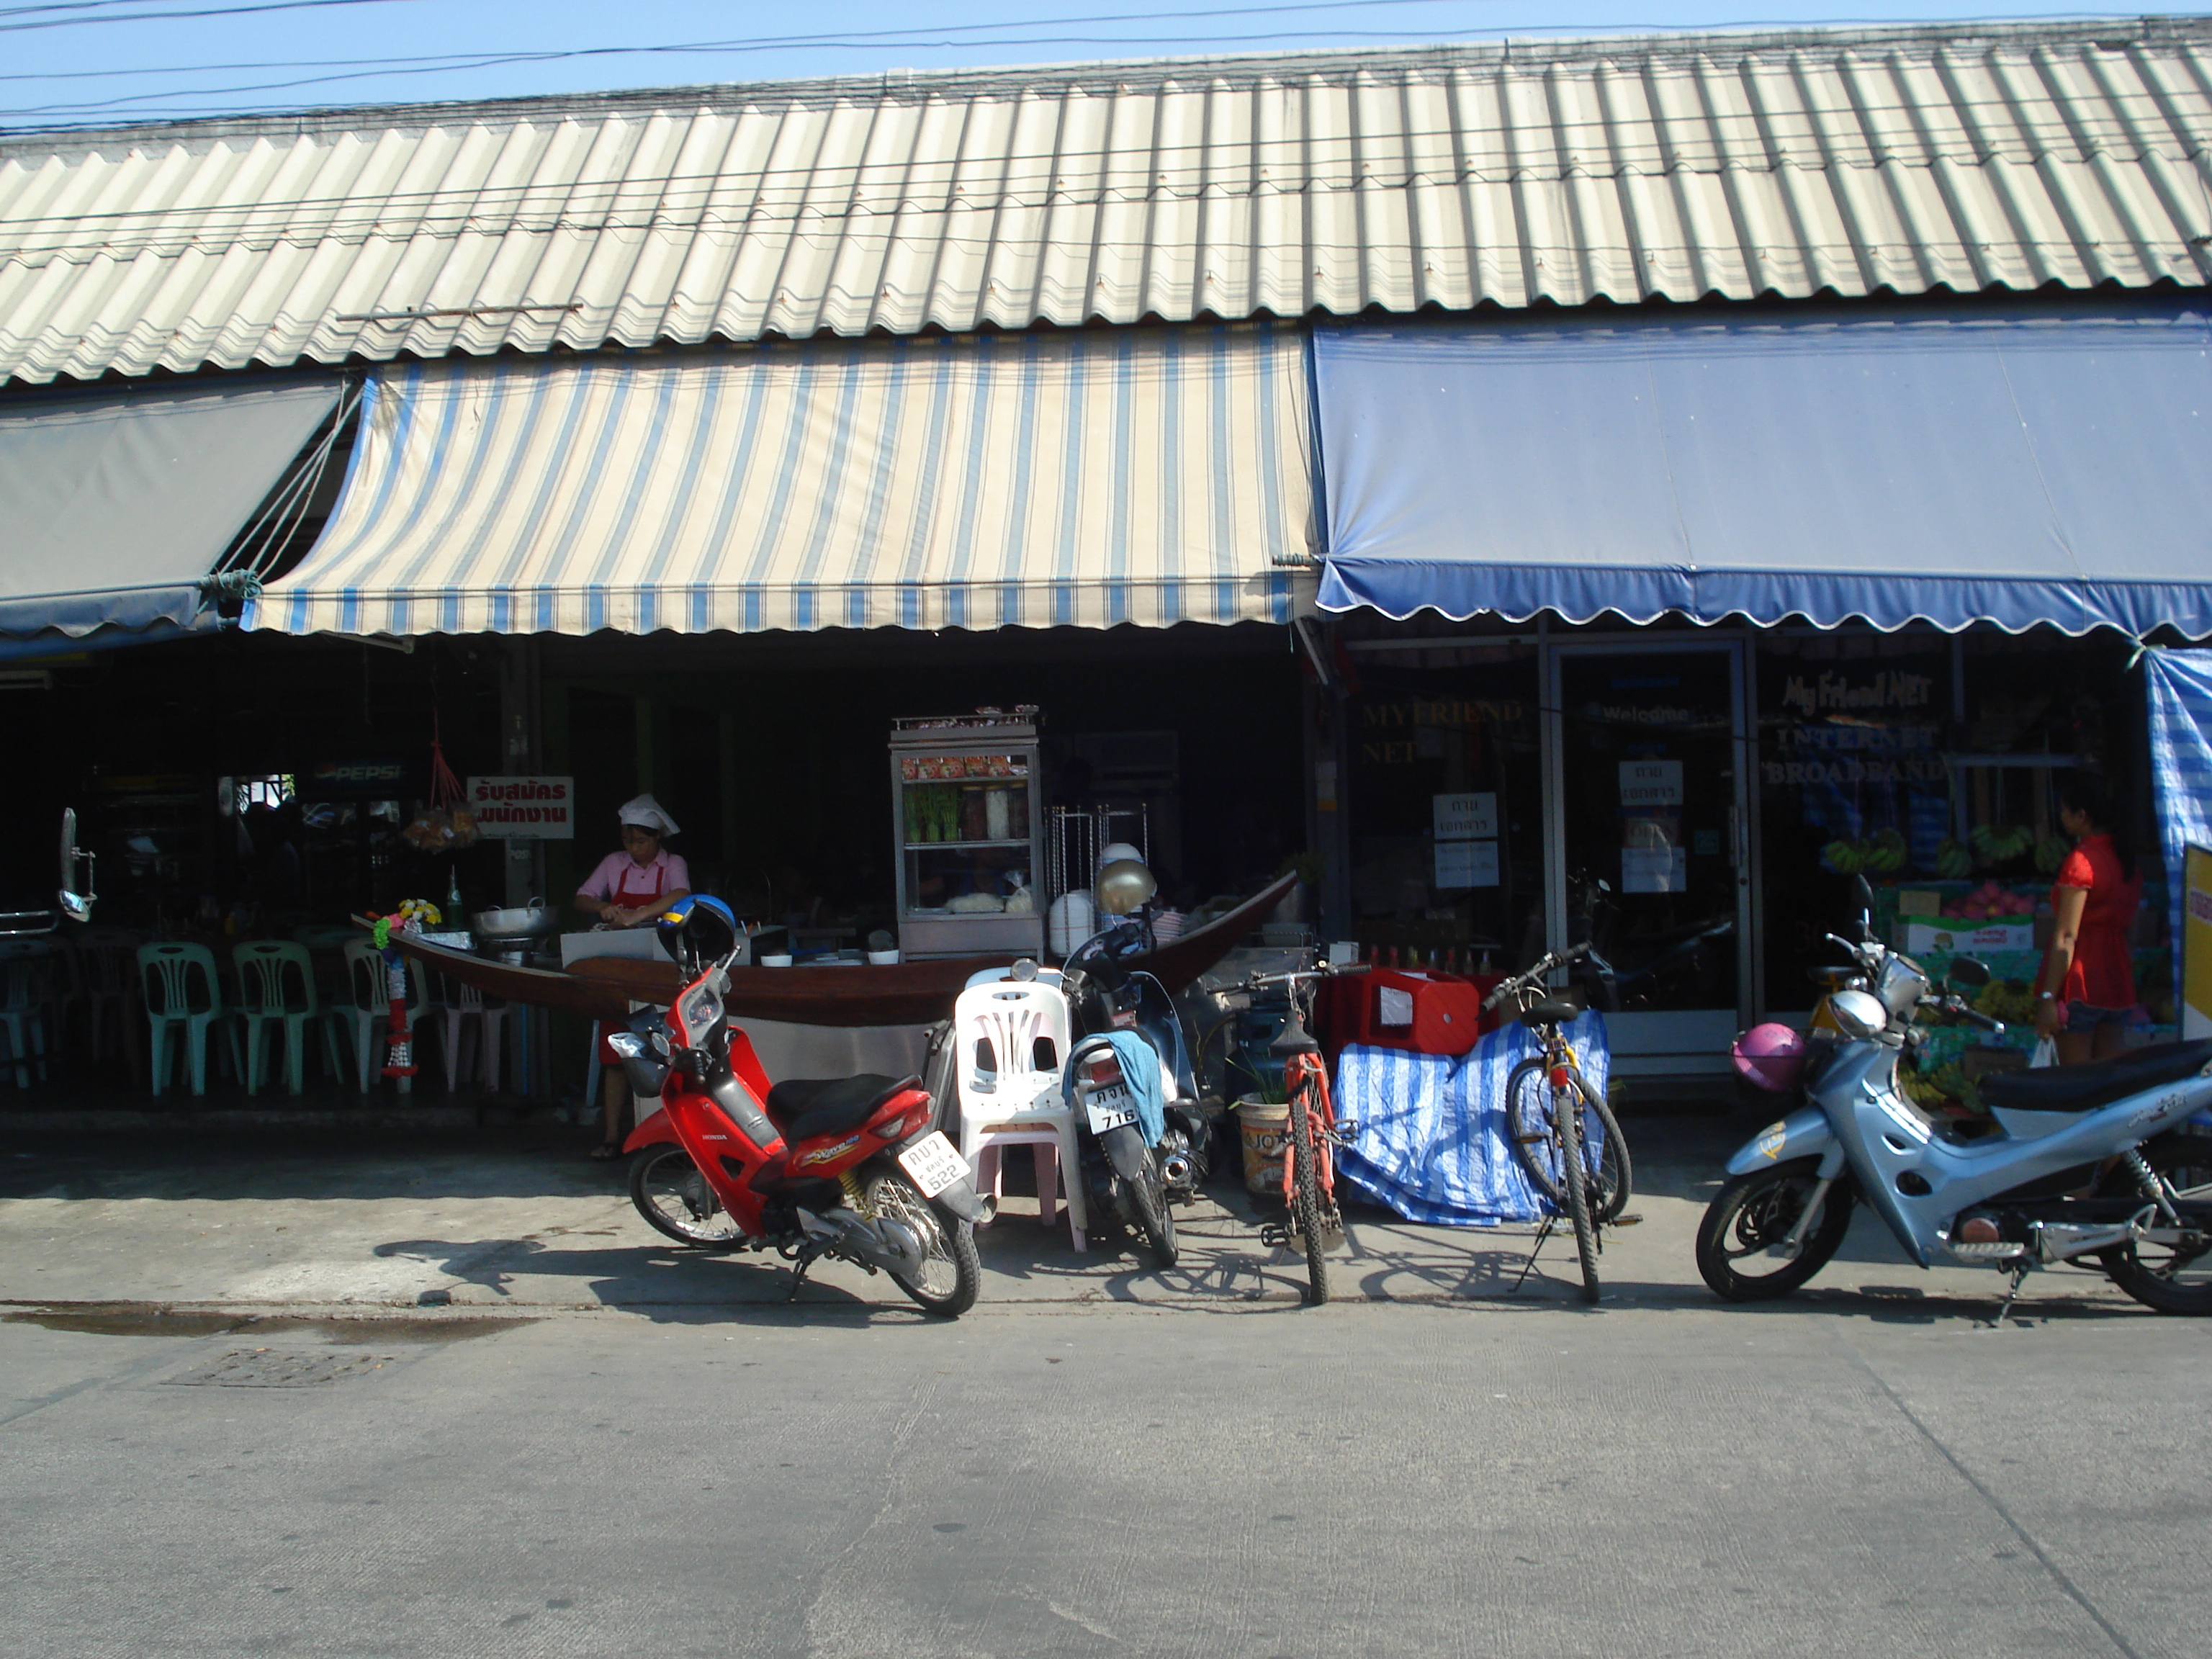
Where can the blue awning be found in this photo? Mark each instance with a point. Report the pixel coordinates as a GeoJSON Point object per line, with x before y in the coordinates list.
{"type": "Point", "coordinates": [113, 509]}
{"type": "Point", "coordinates": [2017, 465]}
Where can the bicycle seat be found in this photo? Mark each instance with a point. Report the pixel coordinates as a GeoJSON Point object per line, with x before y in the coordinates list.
{"type": "Point", "coordinates": [807, 1107]}
{"type": "Point", "coordinates": [2098, 1083]}
{"type": "Point", "coordinates": [1552, 1010]}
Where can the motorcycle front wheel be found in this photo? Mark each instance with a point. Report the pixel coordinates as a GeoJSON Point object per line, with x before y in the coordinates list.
{"type": "Point", "coordinates": [675, 1198]}
{"type": "Point", "coordinates": [951, 1272]}
{"type": "Point", "coordinates": [2172, 1278]}
{"type": "Point", "coordinates": [1756, 1212]}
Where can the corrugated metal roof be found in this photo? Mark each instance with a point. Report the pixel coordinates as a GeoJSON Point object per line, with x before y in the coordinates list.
{"type": "Point", "coordinates": [1852, 161]}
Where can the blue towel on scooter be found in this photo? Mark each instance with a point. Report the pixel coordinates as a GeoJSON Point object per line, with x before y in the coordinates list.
{"type": "Point", "coordinates": [1431, 1128]}
{"type": "Point", "coordinates": [1140, 1069]}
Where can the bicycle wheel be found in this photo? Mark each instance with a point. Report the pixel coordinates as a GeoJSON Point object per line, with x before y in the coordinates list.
{"type": "Point", "coordinates": [1305, 1198]}
{"type": "Point", "coordinates": [1536, 1149]}
{"type": "Point", "coordinates": [1570, 1126]}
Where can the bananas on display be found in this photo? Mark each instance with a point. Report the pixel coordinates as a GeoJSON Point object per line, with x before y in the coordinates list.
{"type": "Point", "coordinates": [2049, 854]}
{"type": "Point", "coordinates": [2001, 843]}
{"type": "Point", "coordinates": [1954, 860]}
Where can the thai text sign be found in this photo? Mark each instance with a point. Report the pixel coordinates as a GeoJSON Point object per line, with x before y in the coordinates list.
{"type": "Point", "coordinates": [525, 809]}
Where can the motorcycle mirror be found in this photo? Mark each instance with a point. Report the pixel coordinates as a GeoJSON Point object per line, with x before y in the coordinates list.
{"type": "Point", "coordinates": [1969, 971]}
{"type": "Point", "coordinates": [77, 907]}
{"type": "Point", "coordinates": [1862, 895]}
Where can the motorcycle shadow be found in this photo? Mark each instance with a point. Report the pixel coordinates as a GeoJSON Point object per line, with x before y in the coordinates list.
{"type": "Point", "coordinates": [663, 1282]}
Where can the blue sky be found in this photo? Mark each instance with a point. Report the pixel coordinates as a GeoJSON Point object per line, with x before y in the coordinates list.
{"type": "Point", "coordinates": [77, 60]}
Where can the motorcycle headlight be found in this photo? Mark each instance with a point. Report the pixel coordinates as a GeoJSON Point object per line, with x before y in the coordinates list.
{"type": "Point", "coordinates": [1858, 1014]}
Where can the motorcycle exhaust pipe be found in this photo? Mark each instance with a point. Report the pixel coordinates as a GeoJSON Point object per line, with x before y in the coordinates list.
{"type": "Point", "coordinates": [1178, 1171]}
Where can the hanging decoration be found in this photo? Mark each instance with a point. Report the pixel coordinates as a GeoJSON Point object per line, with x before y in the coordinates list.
{"type": "Point", "coordinates": [445, 824]}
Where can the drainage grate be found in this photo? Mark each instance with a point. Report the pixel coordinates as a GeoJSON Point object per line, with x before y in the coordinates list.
{"type": "Point", "coordinates": [272, 1368]}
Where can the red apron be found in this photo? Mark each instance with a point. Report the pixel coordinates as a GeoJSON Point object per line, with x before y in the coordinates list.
{"type": "Point", "coordinates": [626, 897]}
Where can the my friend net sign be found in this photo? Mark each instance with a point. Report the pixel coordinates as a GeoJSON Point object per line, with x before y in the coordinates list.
{"type": "Point", "coordinates": [524, 809]}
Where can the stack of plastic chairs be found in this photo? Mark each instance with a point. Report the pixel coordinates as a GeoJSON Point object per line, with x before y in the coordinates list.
{"type": "Point", "coordinates": [371, 1012]}
{"type": "Point", "coordinates": [1012, 1041]}
{"type": "Point", "coordinates": [183, 994]}
{"type": "Point", "coordinates": [277, 989]}
{"type": "Point", "coordinates": [27, 1004]}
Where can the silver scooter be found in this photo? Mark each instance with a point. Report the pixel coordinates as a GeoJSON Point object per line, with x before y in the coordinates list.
{"type": "Point", "coordinates": [2097, 1164]}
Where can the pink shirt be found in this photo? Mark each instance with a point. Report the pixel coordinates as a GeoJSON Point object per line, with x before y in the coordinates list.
{"type": "Point", "coordinates": [620, 877]}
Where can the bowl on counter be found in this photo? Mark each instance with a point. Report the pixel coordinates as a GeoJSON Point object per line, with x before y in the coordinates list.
{"type": "Point", "coordinates": [883, 958]}
{"type": "Point", "coordinates": [775, 959]}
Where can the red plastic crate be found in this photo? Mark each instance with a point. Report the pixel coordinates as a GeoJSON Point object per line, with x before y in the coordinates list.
{"type": "Point", "coordinates": [1430, 1013]}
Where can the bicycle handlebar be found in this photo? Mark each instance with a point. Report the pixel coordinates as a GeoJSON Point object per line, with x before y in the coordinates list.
{"type": "Point", "coordinates": [1544, 965]}
{"type": "Point", "coordinates": [1326, 970]}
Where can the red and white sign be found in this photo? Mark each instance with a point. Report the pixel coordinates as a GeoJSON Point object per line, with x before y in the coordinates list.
{"type": "Point", "coordinates": [524, 809]}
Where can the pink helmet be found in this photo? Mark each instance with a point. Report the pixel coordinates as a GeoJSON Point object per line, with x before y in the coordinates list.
{"type": "Point", "coordinates": [1769, 1056]}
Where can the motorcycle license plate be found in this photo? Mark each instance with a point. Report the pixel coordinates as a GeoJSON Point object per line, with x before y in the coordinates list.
{"type": "Point", "coordinates": [1110, 1107]}
{"type": "Point", "coordinates": [933, 1164]}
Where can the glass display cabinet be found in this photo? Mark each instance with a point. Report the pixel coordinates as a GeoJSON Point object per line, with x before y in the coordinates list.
{"type": "Point", "coordinates": [968, 814]}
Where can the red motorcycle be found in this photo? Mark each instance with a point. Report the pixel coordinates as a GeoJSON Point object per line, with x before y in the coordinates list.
{"type": "Point", "coordinates": [850, 1167]}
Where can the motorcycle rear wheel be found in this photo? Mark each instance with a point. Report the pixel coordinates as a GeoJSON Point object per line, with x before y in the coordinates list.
{"type": "Point", "coordinates": [951, 1271]}
{"type": "Point", "coordinates": [1757, 1210]}
{"type": "Point", "coordinates": [2164, 1276]}
{"type": "Point", "coordinates": [675, 1198]}
{"type": "Point", "coordinates": [1148, 1197]}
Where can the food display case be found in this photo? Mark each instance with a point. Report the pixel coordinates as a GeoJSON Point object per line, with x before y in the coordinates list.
{"type": "Point", "coordinates": [967, 817]}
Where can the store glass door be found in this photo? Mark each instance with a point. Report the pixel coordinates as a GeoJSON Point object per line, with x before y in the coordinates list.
{"type": "Point", "coordinates": [1648, 820]}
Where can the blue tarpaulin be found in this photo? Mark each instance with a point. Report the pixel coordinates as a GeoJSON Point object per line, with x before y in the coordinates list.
{"type": "Point", "coordinates": [2017, 464]}
{"type": "Point", "coordinates": [1431, 1141]}
{"type": "Point", "coordinates": [2180, 683]}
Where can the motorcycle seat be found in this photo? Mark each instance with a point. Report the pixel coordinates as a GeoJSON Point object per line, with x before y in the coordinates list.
{"type": "Point", "coordinates": [803, 1107]}
{"type": "Point", "coordinates": [2100, 1082]}
{"type": "Point", "coordinates": [1552, 1010]}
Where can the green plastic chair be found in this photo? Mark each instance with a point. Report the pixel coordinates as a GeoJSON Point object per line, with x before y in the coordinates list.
{"type": "Point", "coordinates": [183, 993]}
{"type": "Point", "coordinates": [276, 988]}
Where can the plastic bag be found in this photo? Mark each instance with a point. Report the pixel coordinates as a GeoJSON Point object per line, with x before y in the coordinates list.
{"type": "Point", "coordinates": [2047, 1054]}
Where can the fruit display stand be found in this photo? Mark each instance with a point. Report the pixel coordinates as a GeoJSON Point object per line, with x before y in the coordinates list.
{"type": "Point", "coordinates": [2006, 926]}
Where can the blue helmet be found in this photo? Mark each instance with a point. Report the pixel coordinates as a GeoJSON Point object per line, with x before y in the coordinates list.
{"type": "Point", "coordinates": [697, 929]}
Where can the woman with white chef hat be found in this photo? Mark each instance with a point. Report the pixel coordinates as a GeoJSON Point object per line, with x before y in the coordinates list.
{"type": "Point", "coordinates": [629, 889]}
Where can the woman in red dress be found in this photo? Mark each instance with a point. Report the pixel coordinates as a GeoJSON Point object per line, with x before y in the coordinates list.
{"type": "Point", "coordinates": [2087, 987]}
{"type": "Point", "coordinates": [629, 889]}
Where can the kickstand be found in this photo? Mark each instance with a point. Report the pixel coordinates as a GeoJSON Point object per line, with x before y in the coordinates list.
{"type": "Point", "coordinates": [1542, 1233]}
{"type": "Point", "coordinates": [2019, 1274]}
{"type": "Point", "coordinates": [806, 1258]}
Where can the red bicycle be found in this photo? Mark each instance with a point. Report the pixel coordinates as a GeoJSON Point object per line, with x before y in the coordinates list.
{"type": "Point", "coordinates": [1312, 1132]}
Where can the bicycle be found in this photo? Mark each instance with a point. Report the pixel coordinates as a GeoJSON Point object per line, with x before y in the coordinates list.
{"type": "Point", "coordinates": [1550, 1113]}
{"type": "Point", "coordinates": [1311, 1133]}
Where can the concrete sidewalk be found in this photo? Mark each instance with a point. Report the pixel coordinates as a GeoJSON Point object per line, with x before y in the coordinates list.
{"type": "Point", "coordinates": [515, 1216]}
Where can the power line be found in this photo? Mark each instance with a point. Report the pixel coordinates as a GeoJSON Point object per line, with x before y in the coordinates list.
{"type": "Point", "coordinates": [167, 16]}
{"type": "Point", "coordinates": [909, 39]}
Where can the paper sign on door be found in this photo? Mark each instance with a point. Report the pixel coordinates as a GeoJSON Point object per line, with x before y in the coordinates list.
{"type": "Point", "coordinates": [1467, 864]}
{"type": "Point", "coordinates": [1650, 783]}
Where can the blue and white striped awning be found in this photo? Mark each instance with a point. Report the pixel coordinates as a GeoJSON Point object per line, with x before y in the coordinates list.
{"type": "Point", "coordinates": [1151, 476]}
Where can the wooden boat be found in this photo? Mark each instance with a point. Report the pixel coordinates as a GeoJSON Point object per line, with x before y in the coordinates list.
{"type": "Point", "coordinates": [903, 993]}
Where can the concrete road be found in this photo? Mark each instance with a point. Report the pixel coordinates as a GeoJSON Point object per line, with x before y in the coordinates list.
{"type": "Point", "coordinates": [1051, 1478]}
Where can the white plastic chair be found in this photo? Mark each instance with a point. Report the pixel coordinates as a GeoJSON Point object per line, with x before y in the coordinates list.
{"type": "Point", "coordinates": [371, 1008]}
{"type": "Point", "coordinates": [1012, 1041]}
{"type": "Point", "coordinates": [466, 1002]}
{"type": "Point", "coordinates": [26, 995]}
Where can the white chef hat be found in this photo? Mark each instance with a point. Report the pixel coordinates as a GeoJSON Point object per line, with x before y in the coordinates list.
{"type": "Point", "coordinates": [647, 814]}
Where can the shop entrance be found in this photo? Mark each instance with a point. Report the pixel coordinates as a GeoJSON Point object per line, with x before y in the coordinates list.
{"type": "Point", "coordinates": [1647, 816]}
